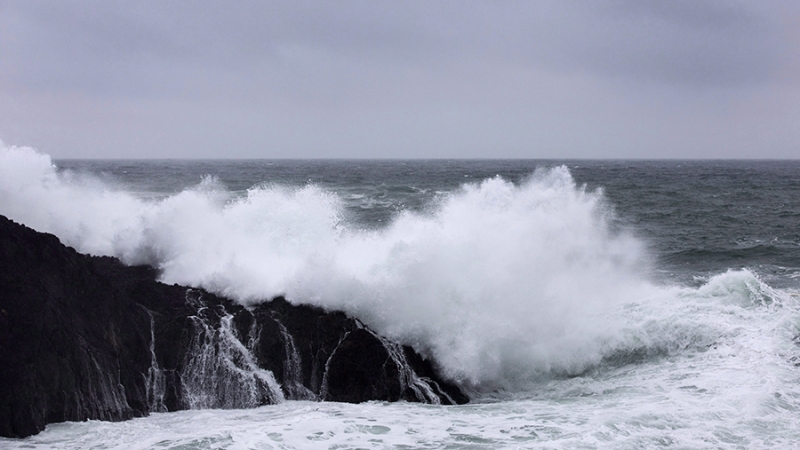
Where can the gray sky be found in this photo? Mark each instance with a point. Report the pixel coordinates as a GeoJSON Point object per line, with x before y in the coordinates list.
{"type": "Point", "coordinates": [402, 79]}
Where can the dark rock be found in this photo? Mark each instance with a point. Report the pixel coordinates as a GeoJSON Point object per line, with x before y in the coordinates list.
{"type": "Point", "coordinates": [86, 337]}
{"type": "Point", "coordinates": [361, 360]}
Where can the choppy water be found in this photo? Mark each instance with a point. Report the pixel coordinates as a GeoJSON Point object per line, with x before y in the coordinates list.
{"type": "Point", "coordinates": [583, 304]}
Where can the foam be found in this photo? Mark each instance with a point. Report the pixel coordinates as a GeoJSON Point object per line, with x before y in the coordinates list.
{"type": "Point", "coordinates": [500, 283]}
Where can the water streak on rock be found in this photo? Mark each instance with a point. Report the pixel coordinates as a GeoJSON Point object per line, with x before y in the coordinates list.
{"type": "Point", "coordinates": [155, 381]}
{"type": "Point", "coordinates": [293, 368]}
{"type": "Point", "coordinates": [221, 371]}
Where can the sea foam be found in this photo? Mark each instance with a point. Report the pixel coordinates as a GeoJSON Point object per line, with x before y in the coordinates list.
{"type": "Point", "coordinates": [499, 283]}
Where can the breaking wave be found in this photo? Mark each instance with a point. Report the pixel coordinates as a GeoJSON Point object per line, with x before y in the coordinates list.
{"type": "Point", "coordinates": [499, 283]}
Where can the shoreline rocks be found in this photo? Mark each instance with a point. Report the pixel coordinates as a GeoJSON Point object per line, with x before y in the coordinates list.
{"type": "Point", "coordinates": [84, 337]}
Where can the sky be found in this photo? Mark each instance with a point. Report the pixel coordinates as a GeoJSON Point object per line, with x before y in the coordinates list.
{"type": "Point", "coordinates": [401, 79]}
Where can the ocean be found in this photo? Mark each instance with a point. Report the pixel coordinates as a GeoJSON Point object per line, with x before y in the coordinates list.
{"type": "Point", "coordinates": [580, 304]}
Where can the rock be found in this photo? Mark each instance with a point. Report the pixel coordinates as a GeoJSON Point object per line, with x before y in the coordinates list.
{"type": "Point", "coordinates": [85, 337]}
{"type": "Point", "coordinates": [70, 345]}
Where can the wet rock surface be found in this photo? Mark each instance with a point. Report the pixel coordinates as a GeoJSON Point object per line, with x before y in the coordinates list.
{"type": "Point", "coordinates": [85, 337]}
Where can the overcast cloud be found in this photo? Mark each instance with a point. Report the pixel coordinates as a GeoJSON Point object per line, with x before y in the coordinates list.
{"type": "Point", "coordinates": [402, 79]}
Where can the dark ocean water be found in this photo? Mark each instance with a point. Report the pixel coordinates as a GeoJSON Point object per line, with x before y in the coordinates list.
{"type": "Point", "coordinates": [582, 304]}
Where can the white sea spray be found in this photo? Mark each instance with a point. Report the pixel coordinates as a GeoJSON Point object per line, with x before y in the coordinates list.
{"type": "Point", "coordinates": [498, 282]}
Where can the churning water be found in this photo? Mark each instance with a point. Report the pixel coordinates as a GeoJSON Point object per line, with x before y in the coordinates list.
{"type": "Point", "coordinates": [581, 304]}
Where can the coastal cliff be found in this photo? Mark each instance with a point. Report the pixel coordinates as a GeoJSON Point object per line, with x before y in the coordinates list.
{"type": "Point", "coordinates": [84, 337]}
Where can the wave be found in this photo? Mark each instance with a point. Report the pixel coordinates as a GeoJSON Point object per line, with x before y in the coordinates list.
{"type": "Point", "coordinates": [498, 283]}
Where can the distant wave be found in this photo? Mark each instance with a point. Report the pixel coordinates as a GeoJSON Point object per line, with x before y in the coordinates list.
{"type": "Point", "coordinates": [499, 283]}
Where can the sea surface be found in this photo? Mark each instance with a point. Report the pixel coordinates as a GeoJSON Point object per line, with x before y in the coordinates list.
{"type": "Point", "coordinates": [581, 304]}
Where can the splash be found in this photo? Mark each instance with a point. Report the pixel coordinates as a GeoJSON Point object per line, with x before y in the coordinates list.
{"type": "Point", "coordinates": [499, 283]}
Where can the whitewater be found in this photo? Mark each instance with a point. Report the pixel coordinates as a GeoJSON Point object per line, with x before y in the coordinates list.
{"type": "Point", "coordinates": [580, 304]}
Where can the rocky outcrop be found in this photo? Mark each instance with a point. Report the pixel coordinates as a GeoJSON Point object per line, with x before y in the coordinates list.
{"type": "Point", "coordinates": [85, 337]}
